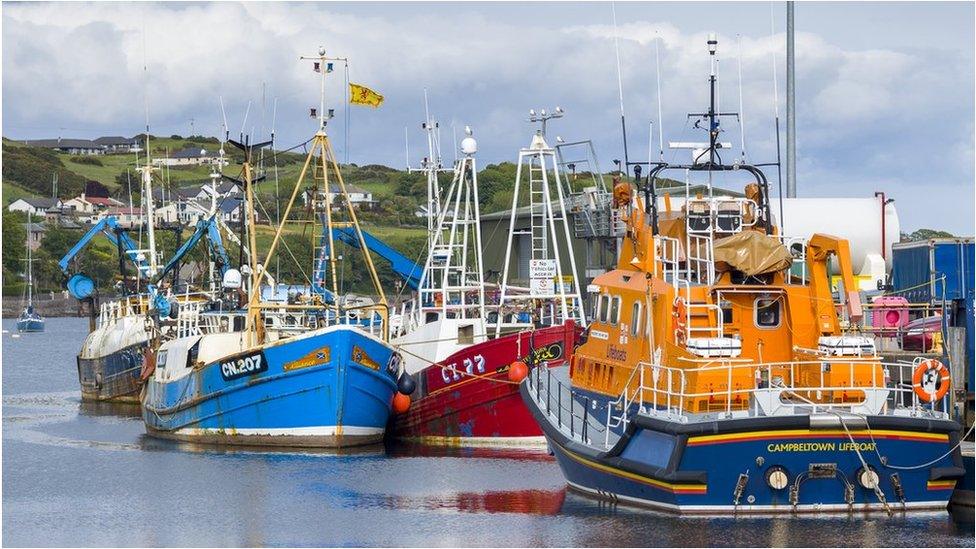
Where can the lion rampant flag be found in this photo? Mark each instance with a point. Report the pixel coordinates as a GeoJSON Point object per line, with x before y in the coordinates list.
{"type": "Point", "coordinates": [361, 95]}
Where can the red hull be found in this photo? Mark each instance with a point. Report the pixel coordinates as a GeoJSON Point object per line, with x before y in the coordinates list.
{"type": "Point", "coordinates": [469, 400]}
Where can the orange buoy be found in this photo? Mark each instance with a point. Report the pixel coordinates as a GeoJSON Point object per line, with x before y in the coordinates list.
{"type": "Point", "coordinates": [518, 371]}
{"type": "Point", "coordinates": [940, 376]}
{"type": "Point", "coordinates": [401, 403]}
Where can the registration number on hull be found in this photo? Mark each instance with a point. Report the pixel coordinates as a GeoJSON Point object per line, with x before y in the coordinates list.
{"type": "Point", "coordinates": [243, 366]}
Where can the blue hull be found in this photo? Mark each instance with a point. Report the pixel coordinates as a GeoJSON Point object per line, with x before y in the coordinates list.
{"type": "Point", "coordinates": [690, 468]}
{"type": "Point", "coordinates": [30, 325]}
{"type": "Point", "coordinates": [328, 388]}
{"type": "Point", "coordinates": [114, 377]}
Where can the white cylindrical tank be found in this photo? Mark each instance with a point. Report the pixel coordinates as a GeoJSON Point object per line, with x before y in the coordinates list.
{"type": "Point", "coordinates": [859, 220]}
{"type": "Point", "coordinates": [856, 219]}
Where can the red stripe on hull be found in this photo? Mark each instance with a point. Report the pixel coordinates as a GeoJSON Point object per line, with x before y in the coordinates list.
{"type": "Point", "coordinates": [454, 404]}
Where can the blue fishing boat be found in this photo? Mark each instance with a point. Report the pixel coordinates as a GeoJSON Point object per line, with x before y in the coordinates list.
{"type": "Point", "coordinates": [317, 370]}
{"type": "Point", "coordinates": [715, 379]}
{"type": "Point", "coordinates": [29, 320]}
{"type": "Point", "coordinates": [112, 357]}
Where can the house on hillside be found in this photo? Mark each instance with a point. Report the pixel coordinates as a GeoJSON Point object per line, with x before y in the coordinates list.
{"type": "Point", "coordinates": [92, 205]}
{"type": "Point", "coordinates": [35, 234]}
{"type": "Point", "coordinates": [117, 144]}
{"type": "Point", "coordinates": [190, 156]}
{"type": "Point", "coordinates": [232, 212]}
{"type": "Point", "coordinates": [34, 205]}
{"type": "Point", "coordinates": [227, 188]}
{"type": "Point", "coordinates": [70, 146]}
{"type": "Point", "coordinates": [359, 197]}
{"type": "Point", "coordinates": [127, 218]}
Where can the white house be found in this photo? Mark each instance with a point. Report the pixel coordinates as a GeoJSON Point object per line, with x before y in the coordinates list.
{"type": "Point", "coordinates": [117, 143]}
{"type": "Point", "coordinates": [91, 204]}
{"type": "Point", "coordinates": [70, 146]}
{"type": "Point", "coordinates": [34, 205]}
{"type": "Point", "coordinates": [190, 156]}
{"type": "Point", "coordinates": [359, 197]}
{"type": "Point", "coordinates": [127, 218]}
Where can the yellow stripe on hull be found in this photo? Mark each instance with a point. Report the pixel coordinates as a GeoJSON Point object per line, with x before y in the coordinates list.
{"type": "Point", "coordinates": [673, 488]}
{"type": "Point", "coordinates": [808, 433]}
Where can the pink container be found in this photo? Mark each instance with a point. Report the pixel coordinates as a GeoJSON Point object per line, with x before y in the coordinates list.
{"type": "Point", "coordinates": [889, 312]}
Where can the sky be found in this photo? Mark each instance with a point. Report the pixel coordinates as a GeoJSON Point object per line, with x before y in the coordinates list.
{"type": "Point", "coordinates": [885, 91]}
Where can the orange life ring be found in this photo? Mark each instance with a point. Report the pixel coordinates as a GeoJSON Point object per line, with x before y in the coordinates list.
{"type": "Point", "coordinates": [923, 368]}
{"type": "Point", "coordinates": [679, 314]}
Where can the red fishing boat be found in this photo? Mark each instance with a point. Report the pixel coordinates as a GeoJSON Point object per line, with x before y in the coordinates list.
{"type": "Point", "coordinates": [464, 363]}
{"type": "Point", "coordinates": [472, 397]}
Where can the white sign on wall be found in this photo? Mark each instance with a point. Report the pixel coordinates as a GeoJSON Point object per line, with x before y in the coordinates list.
{"type": "Point", "coordinates": [542, 286]}
{"type": "Point", "coordinates": [542, 268]}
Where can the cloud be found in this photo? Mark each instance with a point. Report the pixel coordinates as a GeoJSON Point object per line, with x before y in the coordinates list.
{"type": "Point", "coordinates": [868, 118]}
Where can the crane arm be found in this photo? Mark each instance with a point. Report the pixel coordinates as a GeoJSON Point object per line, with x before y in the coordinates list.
{"type": "Point", "coordinates": [208, 228]}
{"type": "Point", "coordinates": [819, 249]}
{"type": "Point", "coordinates": [406, 269]}
{"type": "Point", "coordinates": [109, 228]}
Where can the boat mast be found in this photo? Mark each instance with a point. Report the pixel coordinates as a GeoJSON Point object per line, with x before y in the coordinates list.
{"type": "Point", "coordinates": [30, 265]}
{"type": "Point", "coordinates": [321, 151]}
{"type": "Point", "coordinates": [147, 194]}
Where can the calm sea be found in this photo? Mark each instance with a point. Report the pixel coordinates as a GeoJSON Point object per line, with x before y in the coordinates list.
{"type": "Point", "coordinates": [79, 475]}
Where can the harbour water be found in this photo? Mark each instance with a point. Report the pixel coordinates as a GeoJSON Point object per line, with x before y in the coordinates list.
{"type": "Point", "coordinates": [80, 475]}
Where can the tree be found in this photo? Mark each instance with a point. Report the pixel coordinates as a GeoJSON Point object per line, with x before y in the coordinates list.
{"type": "Point", "coordinates": [94, 188]}
{"type": "Point", "coordinates": [14, 236]}
{"type": "Point", "coordinates": [925, 234]}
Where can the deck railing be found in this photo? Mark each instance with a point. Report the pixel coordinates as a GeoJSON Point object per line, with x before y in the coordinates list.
{"type": "Point", "coordinates": [663, 392]}
{"type": "Point", "coordinates": [572, 413]}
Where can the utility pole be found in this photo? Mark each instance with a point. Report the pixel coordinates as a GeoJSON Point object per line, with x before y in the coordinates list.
{"type": "Point", "coordinates": [790, 104]}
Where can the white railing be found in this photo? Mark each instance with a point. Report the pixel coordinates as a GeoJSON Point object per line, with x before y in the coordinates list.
{"type": "Point", "coordinates": [573, 414]}
{"type": "Point", "coordinates": [701, 258]}
{"type": "Point", "coordinates": [798, 249]}
{"type": "Point", "coordinates": [775, 390]}
{"type": "Point", "coordinates": [188, 319]}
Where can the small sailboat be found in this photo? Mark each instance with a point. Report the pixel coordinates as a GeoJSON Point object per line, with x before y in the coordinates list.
{"type": "Point", "coordinates": [317, 371]}
{"type": "Point", "coordinates": [29, 320]}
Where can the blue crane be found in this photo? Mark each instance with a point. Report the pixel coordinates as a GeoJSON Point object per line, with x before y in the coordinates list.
{"type": "Point", "coordinates": [215, 247]}
{"type": "Point", "coordinates": [402, 266]}
{"type": "Point", "coordinates": [79, 285]}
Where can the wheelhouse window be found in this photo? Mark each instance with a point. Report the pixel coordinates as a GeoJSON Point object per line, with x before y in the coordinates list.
{"type": "Point", "coordinates": [615, 311]}
{"type": "Point", "coordinates": [635, 318]}
{"type": "Point", "coordinates": [604, 307]}
{"type": "Point", "coordinates": [768, 312]}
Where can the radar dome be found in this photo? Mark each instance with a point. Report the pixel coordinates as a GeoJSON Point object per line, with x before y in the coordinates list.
{"type": "Point", "coordinates": [469, 145]}
{"type": "Point", "coordinates": [232, 279]}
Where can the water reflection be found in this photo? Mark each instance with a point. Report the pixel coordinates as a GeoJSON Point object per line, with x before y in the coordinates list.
{"type": "Point", "coordinates": [115, 409]}
{"type": "Point", "coordinates": [405, 449]}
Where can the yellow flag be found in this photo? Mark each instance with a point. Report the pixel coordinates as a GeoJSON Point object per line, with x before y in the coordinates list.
{"type": "Point", "coordinates": [361, 95]}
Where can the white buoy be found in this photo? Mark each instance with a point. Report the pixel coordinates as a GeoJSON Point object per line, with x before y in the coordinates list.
{"type": "Point", "coordinates": [6, 331]}
{"type": "Point", "coordinates": [16, 335]}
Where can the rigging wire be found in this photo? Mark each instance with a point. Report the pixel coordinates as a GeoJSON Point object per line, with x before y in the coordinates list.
{"type": "Point", "coordinates": [620, 86]}
{"type": "Point", "coordinates": [345, 134]}
{"type": "Point", "coordinates": [657, 63]}
{"type": "Point", "coordinates": [779, 163]}
{"type": "Point", "coordinates": [742, 118]}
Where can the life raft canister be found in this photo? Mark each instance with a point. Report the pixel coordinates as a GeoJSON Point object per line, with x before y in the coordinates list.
{"type": "Point", "coordinates": [924, 371]}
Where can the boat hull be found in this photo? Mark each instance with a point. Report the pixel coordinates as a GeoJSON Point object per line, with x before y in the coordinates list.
{"type": "Point", "coordinates": [328, 388]}
{"type": "Point", "coordinates": [113, 377]}
{"type": "Point", "coordinates": [469, 401]}
{"type": "Point", "coordinates": [695, 468]}
{"type": "Point", "coordinates": [30, 325]}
